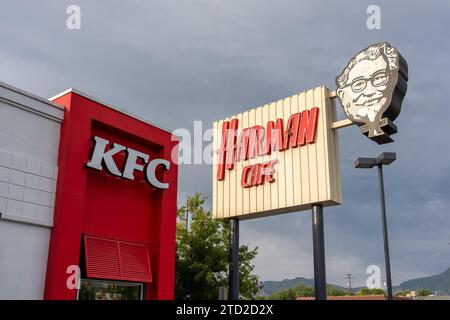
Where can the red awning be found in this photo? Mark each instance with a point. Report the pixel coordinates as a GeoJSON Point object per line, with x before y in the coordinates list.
{"type": "Point", "coordinates": [116, 260]}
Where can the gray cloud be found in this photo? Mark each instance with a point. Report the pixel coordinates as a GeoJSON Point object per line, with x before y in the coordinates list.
{"type": "Point", "coordinates": [176, 62]}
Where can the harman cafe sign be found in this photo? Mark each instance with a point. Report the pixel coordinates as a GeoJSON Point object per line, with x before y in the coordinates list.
{"type": "Point", "coordinates": [284, 156]}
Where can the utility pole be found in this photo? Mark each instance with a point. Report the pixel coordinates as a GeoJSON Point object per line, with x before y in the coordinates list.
{"type": "Point", "coordinates": [187, 215]}
{"type": "Point", "coordinates": [349, 281]}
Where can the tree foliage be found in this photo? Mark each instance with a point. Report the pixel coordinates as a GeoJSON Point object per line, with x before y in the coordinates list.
{"type": "Point", "coordinates": [333, 291]}
{"type": "Point", "coordinates": [303, 291]}
{"type": "Point", "coordinates": [293, 293]}
{"type": "Point", "coordinates": [424, 292]}
{"type": "Point", "coordinates": [419, 293]}
{"type": "Point", "coordinates": [203, 256]}
{"type": "Point", "coordinates": [368, 292]}
{"type": "Point", "coordinates": [403, 293]}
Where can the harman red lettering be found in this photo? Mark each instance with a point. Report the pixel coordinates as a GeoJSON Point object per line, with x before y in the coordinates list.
{"type": "Point", "coordinates": [308, 126]}
{"type": "Point", "coordinates": [231, 144]}
{"type": "Point", "coordinates": [301, 129]}
{"type": "Point", "coordinates": [255, 146]}
{"type": "Point", "coordinates": [242, 147]}
{"type": "Point", "coordinates": [222, 152]}
{"type": "Point", "coordinates": [291, 133]}
{"type": "Point", "coordinates": [274, 137]}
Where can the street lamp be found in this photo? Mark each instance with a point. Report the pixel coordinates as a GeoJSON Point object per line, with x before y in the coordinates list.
{"type": "Point", "coordinates": [385, 158]}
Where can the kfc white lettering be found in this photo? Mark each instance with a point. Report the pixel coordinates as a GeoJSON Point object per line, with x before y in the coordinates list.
{"type": "Point", "coordinates": [101, 158]}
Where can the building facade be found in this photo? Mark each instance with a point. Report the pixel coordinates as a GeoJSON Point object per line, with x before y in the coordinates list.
{"type": "Point", "coordinates": [29, 140]}
{"type": "Point", "coordinates": [109, 232]}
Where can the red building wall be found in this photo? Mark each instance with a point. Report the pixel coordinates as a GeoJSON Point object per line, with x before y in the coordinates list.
{"type": "Point", "coordinates": [92, 202]}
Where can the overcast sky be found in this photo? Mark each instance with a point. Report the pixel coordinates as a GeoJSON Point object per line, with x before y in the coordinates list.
{"type": "Point", "coordinates": [174, 62]}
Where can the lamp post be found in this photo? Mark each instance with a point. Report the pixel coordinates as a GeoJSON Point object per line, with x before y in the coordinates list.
{"type": "Point", "coordinates": [320, 279]}
{"type": "Point", "coordinates": [234, 258]}
{"type": "Point", "coordinates": [385, 158]}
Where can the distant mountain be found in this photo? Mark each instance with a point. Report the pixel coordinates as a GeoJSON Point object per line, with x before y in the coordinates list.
{"type": "Point", "coordinates": [439, 282]}
{"type": "Point", "coordinates": [270, 287]}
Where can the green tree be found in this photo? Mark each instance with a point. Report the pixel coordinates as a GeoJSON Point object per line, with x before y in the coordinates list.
{"type": "Point", "coordinates": [333, 291]}
{"type": "Point", "coordinates": [286, 294]}
{"type": "Point", "coordinates": [424, 292]}
{"type": "Point", "coordinates": [403, 293]}
{"type": "Point", "coordinates": [367, 292]}
{"type": "Point", "coordinates": [303, 291]}
{"type": "Point", "coordinates": [202, 259]}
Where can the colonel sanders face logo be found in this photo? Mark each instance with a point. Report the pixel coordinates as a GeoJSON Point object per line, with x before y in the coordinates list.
{"type": "Point", "coordinates": [371, 90]}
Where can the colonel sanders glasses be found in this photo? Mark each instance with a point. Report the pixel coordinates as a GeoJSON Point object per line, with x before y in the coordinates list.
{"type": "Point", "coordinates": [377, 79]}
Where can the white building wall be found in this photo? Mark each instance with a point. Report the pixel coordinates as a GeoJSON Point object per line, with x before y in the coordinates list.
{"type": "Point", "coordinates": [29, 140]}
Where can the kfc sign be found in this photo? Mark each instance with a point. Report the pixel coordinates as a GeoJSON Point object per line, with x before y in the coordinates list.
{"type": "Point", "coordinates": [102, 157]}
{"type": "Point", "coordinates": [260, 141]}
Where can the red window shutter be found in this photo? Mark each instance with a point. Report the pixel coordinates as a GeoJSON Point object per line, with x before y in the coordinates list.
{"type": "Point", "coordinates": [116, 260]}
{"type": "Point", "coordinates": [102, 258]}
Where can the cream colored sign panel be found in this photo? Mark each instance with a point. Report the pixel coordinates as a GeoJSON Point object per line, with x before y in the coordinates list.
{"type": "Point", "coordinates": [289, 179]}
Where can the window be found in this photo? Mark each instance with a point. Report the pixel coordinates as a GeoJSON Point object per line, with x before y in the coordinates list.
{"type": "Point", "coordinates": [109, 290]}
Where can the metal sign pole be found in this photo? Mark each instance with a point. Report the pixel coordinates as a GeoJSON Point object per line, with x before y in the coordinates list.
{"type": "Point", "coordinates": [385, 234]}
{"type": "Point", "coordinates": [320, 282]}
{"type": "Point", "coordinates": [234, 253]}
